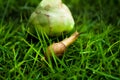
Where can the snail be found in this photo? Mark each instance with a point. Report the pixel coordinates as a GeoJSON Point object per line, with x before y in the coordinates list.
{"type": "Point", "coordinates": [59, 48]}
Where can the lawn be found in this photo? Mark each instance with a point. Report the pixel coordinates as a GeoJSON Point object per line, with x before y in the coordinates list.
{"type": "Point", "coordinates": [95, 55]}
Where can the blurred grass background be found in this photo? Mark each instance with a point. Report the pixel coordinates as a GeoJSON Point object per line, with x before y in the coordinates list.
{"type": "Point", "coordinates": [95, 55]}
{"type": "Point", "coordinates": [94, 10]}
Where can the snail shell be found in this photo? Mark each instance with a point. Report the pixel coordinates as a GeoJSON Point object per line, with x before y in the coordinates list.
{"type": "Point", "coordinates": [57, 48]}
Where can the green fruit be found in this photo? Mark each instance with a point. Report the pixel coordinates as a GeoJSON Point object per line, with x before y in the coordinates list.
{"type": "Point", "coordinates": [52, 17]}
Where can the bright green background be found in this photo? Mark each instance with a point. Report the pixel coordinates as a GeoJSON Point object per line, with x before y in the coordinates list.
{"type": "Point", "coordinates": [95, 55]}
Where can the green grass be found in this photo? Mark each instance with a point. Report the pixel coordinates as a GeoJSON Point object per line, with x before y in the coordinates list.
{"type": "Point", "coordinates": [95, 55]}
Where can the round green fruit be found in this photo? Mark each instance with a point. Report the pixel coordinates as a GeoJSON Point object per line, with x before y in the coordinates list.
{"type": "Point", "coordinates": [52, 17]}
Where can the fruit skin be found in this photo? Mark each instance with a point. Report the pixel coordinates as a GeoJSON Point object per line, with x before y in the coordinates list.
{"type": "Point", "coordinates": [52, 17]}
